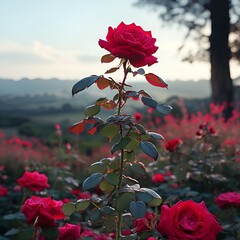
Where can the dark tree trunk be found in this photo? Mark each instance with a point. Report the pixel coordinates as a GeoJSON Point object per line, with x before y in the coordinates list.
{"type": "Point", "coordinates": [221, 82]}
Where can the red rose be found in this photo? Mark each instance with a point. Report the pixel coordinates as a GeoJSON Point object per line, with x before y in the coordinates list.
{"type": "Point", "coordinates": [69, 232]}
{"type": "Point", "coordinates": [3, 191]}
{"type": "Point", "coordinates": [131, 42]}
{"type": "Point", "coordinates": [157, 178]}
{"type": "Point", "coordinates": [34, 181]}
{"type": "Point", "coordinates": [43, 210]}
{"type": "Point", "coordinates": [172, 144]}
{"type": "Point", "coordinates": [137, 116]}
{"type": "Point", "coordinates": [188, 220]}
{"type": "Point", "coordinates": [144, 224]}
{"type": "Point", "coordinates": [228, 199]}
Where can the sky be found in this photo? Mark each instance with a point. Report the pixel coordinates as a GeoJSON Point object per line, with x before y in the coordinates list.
{"type": "Point", "coordinates": [59, 39]}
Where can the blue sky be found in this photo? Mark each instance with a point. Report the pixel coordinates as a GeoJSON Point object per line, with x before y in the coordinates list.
{"type": "Point", "coordinates": [59, 38]}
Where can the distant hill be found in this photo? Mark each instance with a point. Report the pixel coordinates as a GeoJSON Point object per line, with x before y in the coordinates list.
{"type": "Point", "coordinates": [62, 88]}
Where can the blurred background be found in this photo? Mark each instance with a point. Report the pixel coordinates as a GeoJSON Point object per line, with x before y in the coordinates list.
{"type": "Point", "coordinates": [47, 46]}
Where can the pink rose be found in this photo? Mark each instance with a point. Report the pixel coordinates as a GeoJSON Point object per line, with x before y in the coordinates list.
{"type": "Point", "coordinates": [34, 181]}
{"type": "Point", "coordinates": [228, 199]}
{"type": "Point", "coordinates": [188, 220]}
{"type": "Point", "coordinates": [69, 232]}
{"type": "Point", "coordinates": [3, 191]}
{"type": "Point", "coordinates": [132, 43]}
{"type": "Point", "coordinates": [43, 210]}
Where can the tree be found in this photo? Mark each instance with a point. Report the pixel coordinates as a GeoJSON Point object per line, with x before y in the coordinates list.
{"type": "Point", "coordinates": [223, 18]}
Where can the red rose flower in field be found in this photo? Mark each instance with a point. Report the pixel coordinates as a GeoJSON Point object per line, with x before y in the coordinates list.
{"type": "Point", "coordinates": [157, 178]}
{"type": "Point", "coordinates": [3, 191]}
{"type": "Point", "coordinates": [43, 210]}
{"type": "Point", "coordinates": [172, 144]}
{"type": "Point", "coordinates": [228, 199]}
{"type": "Point", "coordinates": [34, 181]}
{"type": "Point", "coordinates": [144, 224]}
{"type": "Point", "coordinates": [137, 116]}
{"type": "Point", "coordinates": [69, 232]}
{"type": "Point", "coordinates": [188, 220]}
{"type": "Point", "coordinates": [131, 42]}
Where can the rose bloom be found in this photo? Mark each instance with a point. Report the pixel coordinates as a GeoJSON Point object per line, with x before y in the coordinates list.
{"type": "Point", "coordinates": [34, 181]}
{"type": "Point", "coordinates": [157, 178]}
{"type": "Point", "coordinates": [144, 224]}
{"type": "Point", "coordinates": [3, 191]}
{"type": "Point", "coordinates": [137, 116]}
{"type": "Point", "coordinates": [188, 220]}
{"type": "Point", "coordinates": [44, 210]}
{"type": "Point", "coordinates": [172, 144]}
{"type": "Point", "coordinates": [228, 199]}
{"type": "Point", "coordinates": [69, 232]}
{"type": "Point", "coordinates": [132, 43]}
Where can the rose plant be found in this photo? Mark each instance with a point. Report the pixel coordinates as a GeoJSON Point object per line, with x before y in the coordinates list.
{"type": "Point", "coordinates": [124, 196]}
{"type": "Point", "coordinates": [123, 204]}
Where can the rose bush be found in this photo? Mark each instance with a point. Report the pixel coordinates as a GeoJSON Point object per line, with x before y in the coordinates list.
{"type": "Point", "coordinates": [188, 220]}
{"type": "Point", "coordinates": [34, 181]}
{"type": "Point", "coordinates": [132, 43]}
{"type": "Point", "coordinates": [42, 211]}
{"type": "Point", "coordinates": [228, 199]}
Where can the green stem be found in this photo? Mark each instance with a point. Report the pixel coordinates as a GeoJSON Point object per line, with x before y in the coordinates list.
{"type": "Point", "coordinates": [121, 88]}
{"type": "Point", "coordinates": [119, 219]}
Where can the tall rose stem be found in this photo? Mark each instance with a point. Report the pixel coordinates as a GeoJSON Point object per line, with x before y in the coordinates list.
{"type": "Point", "coordinates": [119, 219]}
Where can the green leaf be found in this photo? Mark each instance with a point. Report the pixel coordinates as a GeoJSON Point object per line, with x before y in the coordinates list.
{"type": "Point", "coordinates": [144, 196]}
{"type": "Point", "coordinates": [92, 181]}
{"type": "Point", "coordinates": [123, 202]}
{"type": "Point", "coordinates": [149, 102]}
{"type": "Point", "coordinates": [100, 167]}
{"type": "Point", "coordinates": [112, 178]}
{"type": "Point", "coordinates": [156, 136]}
{"type": "Point", "coordinates": [129, 156]}
{"type": "Point", "coordinates": [68, 208]}
{"type": "Point", "coordinates": [138, 168]}
{"type": "Point", "coordinates": [108, 210]}
{"type": "Point", "coordinates": [156, 199]}
{"type": "Point", "coordinates": [84, 83]}
{"type": "Point", "coordinates": [106, 186]}
{"type": "Point", "coordinates": [141, 71]}
{"type": "Point", "coordinates": [110, 130]}
{"type": "Point", "coordinates": [149, 149]}
{"type": "Point", "coordinates": [11, 232]}
{"type": "Point", "coordinates": [138, 209]}
{"type": "Point", "coordinates": [128, 144]}
{"type": "Point", "coordinates": [92, 110]}
{"type": "Point", "coordinates": [82, 204]}
{"type": "Point", "coordinates": [164, 109]}
{"type": "Point", "coordinates": [95, 214]}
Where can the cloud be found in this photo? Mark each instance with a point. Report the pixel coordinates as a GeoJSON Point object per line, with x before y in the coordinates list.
{"type": "Point", "coordinates": [40, 60]}
{"type": "Point", "coordinates": [21, 58]}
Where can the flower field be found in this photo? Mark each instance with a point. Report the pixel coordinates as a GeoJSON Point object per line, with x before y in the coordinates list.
{"type": "Point", "coordinates": [199, 162]}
